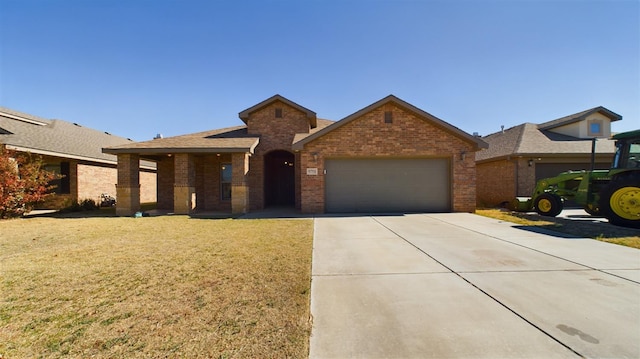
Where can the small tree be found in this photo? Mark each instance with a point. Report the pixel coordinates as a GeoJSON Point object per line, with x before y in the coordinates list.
{"type": "Point", "coordinates": [23, 182]}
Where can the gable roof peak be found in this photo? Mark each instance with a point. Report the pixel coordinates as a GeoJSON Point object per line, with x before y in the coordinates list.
{"type": "Point", "coordinates": [298, 145]}
{"type": "Point", "coordinates": [579, 116]}
{"type": "Point", "coordinates": [311, 116]}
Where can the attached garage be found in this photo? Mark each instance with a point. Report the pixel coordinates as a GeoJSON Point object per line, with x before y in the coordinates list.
{"type": "Point", "coordinates": [389, 157]}
{"type": "Point", "coordinates": [388, 185]}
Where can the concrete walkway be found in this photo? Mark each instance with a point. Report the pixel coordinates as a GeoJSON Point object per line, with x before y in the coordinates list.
{"type": "Point", "coordinates": [464, 286]}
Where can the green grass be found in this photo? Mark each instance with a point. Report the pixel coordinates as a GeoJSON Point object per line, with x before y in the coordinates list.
{"type": "Point", "coordinates": [154, 287]}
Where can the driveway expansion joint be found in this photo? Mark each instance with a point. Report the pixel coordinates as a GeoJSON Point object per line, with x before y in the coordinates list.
{"type": "Point", "coordinates": [535, 250]}
{"type": "Point", "coordinates": [377, 274]}
{"type": "Point", "coordinates": [513, 311]}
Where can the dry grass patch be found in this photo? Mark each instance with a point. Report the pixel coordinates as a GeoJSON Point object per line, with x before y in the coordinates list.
{"type": "Point", "coordinates": [154, 287]}
{"type": "Point", "coordinates": [587, 229]}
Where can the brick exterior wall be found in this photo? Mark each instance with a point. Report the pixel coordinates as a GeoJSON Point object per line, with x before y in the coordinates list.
{"type": "Point", "coordinates": [88, 180]}
{"type": "Point", "coordinates": [208, 183]}
{"type": "Point", "coordinates": [496, 182]}
{"type": "Point", "coordinates": [500, 181]}
{"type": "Point", "coordinates": [148, 186]}
{"type": "Point", "coordinates": [95, 180]}
{"type": "Point", "coordinates": [526, 177]}
{"type": "Point", "coordinates": [184, 195]}
{"type": "Point", "coordinates": [206, 180]}
{"type": "Point", "coordinates": [275, 134]}
{"type": "Point", "coordinates": [407, 136]}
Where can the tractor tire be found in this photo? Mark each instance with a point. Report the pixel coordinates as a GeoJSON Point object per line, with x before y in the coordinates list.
{"type": "Point", "coordinates": [548, 204]}
{"type": "Point", "coordinates": [592, 210]}
{"type": "Point", "coordinates": [620, 202]}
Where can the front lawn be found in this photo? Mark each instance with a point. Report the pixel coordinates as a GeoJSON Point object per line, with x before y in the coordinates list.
{"type": "Point", "coordinates": [154, 287]}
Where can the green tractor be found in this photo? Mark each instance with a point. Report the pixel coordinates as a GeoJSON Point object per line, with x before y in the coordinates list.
{"type": "Point", "coordinates": [613, 193]}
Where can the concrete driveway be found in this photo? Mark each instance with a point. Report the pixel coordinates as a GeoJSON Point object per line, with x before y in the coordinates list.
{"type": "Point", "coordinates": [458, 285]}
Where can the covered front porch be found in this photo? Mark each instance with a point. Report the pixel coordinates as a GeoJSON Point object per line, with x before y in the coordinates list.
{"type": "Point", "coordinates": [212, 177]}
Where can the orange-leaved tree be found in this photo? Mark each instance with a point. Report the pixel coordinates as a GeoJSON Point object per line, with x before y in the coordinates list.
{"type": "Point", "coordinates": [23, 182]}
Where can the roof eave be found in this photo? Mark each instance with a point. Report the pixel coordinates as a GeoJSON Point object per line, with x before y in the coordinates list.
{"type": "Point", "coordinates": [600, 109]}
{"type": "Point", "coordinates": [166, 150]}
{"type": "Point", "coordinates": [545, 155]}
{"type": "Point", "coordinates": [59, 154]}
{"type": "Point", "coordinates": [149, 151]}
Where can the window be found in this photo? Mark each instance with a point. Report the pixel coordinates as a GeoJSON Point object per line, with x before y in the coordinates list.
{"type": "Point", "coordinates": [595, 128]}
{"type": "Point", "coordinates": [65, 182]}
{"type": "Point", "coordinates": [278, 113]}
{"type": "Point", "coordinates": [634, 155]}
{"type": "Point", "coordinates": [388, 117]}
{"type": "Point", "coordinates": [62, 185]}
{"type": "Point", "coordinates": [225, 181]}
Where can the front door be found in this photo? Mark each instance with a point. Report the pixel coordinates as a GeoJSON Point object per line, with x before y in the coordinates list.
{"type": "Point", "coordinates": [279, 178]}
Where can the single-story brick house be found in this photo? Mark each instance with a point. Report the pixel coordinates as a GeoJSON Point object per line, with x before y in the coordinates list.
{"type": "Point", "coordinates": [520, 156]}
{"type": "Point", "coordinates": [75, 152]}
{"type": "Point", "coordinates": [388, 156]}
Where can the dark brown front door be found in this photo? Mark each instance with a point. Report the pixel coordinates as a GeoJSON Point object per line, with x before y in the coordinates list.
{"type": "Point", "coordinates": [279, 178]}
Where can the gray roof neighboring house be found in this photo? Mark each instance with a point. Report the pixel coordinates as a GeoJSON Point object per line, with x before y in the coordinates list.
{"type": "Point", "coordinates": [529, 140]}
{"type": "Point", "coordinates": [576, 117]}
{"type": "Point", "coordinates": [23, 132]}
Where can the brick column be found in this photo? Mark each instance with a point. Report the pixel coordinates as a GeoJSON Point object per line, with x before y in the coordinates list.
{"type": "Point", "coordinates": [184, 190]}
{"type": "Point", "coordinates": [128, 187]}
{"type": "Point", "coordinates": [239, 188]}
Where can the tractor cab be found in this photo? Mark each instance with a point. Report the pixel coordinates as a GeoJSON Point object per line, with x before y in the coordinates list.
{"type": "Point", "coordinates": [627, 151]}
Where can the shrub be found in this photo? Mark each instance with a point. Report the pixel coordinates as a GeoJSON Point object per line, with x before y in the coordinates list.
{"type": "Point", "coordinates": [89, 205]}
{"type": "Point", "coordinates": [84, 205]}
{"type": "Point", "coordinates": [23, 182]}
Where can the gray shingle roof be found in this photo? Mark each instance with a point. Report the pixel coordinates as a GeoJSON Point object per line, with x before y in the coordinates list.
{"type": "Point", "coordinates": [55, 137]}
{"type": "Point", "coordinates": [232, 139]}
{"type": "Point", "coordinates": [563, 121]}
{"type": "Point", "coordinates": [322, 123]}
{"type": "Point", "coordinates": [528, 140]}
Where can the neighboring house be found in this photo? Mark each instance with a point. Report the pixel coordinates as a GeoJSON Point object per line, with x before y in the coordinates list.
{"type": "Point", "coordinates": [73, 151]}
{"type": "Point", "coordinates": [389, 156]}
{"type": "Point", "coordinates": [521, 155]}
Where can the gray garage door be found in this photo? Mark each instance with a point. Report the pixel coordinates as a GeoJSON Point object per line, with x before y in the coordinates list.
{"type": "Point", "coordinates": [387, 185]}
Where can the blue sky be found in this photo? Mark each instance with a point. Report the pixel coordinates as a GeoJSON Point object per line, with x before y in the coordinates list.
{"type": "Point", "coordinates": [140, 67]}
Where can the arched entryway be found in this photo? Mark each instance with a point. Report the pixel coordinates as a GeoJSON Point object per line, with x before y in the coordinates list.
{"type": "Point", "coordinates": [279, 178]}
